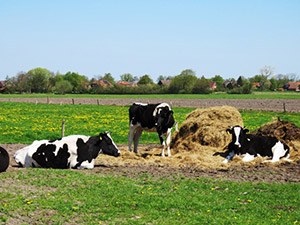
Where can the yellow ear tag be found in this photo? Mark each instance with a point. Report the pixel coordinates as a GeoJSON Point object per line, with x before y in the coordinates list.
{"type": "Point", "coordinates": [228, 132]}
{"type": "Point", "coordinates": [100, 138]}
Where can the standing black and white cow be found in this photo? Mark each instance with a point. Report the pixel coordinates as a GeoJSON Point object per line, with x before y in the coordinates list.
{"type": "Point", "coordinates": [4, 160]}
{"type": "Point", "coordinates": [152, 118]}
{"type": "Point", "coordinates": [75, 151]}
{"type": "Point", "coordinates": [254, 145]}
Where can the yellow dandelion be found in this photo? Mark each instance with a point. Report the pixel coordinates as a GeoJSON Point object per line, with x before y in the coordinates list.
{"type": "Point", "coordinates": [249, 201]}
{"type": "Point", "coordinates": [208, 210]}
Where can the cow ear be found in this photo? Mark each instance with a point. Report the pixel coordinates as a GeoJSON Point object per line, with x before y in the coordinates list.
{"type": "Point", "coordinates": [171, 112]}
{"type": "Point", "coordinates": [246, 131]}
{"type": "Point", "coordinates": [228, 131]}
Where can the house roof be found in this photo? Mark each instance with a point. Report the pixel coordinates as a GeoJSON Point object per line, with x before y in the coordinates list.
{"type": "Point", "coordinates": [102, 83]}
{"type": "Point", "coordinates": [213, 85]}
{"type": "Point", "coordinates": [292, 85]}
{"type": "Point", "coordinates": [126, 83]}
{"type": "Point", "coordinates": [164, 82]}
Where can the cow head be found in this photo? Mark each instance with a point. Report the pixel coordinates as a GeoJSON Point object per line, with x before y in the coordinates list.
{"type": "Point", "coordinates": [238, 135]}
{"type": "Point", "coordinates": [107, 145]}
{"type": "Point", "coordinates": [164, 119]}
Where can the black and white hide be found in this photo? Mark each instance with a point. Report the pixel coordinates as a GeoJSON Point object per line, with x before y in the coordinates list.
{"type": "Point", "coordinates": [75, 151]}
{"type": "Point", "coordinates": [152, 118]}
{"type": "Point", "coordinates": [255, 145]}
{"type": "Point", "coordinates": [4, 160]}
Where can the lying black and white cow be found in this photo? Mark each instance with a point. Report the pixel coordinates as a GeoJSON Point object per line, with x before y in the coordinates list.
{"type": "Point", "coordinates": [75, 151]}
{"type": "Point", "coordinates": [254, 145]}
{"type": "Point", "coordinates": [152, 118]}
{"type": "Point", "coordinates": [4, 160]}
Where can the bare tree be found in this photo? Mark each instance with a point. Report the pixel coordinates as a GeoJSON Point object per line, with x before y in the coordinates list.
{"type": "Point", "coordinates": [265, 72]}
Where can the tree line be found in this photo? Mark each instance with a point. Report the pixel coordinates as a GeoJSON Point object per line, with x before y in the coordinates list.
{"type": "Point", "coordinates": [41, 80]}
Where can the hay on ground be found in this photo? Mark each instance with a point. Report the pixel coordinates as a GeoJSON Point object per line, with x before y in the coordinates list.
{"type": "Point", "coordinates": [202, 140]}
{"type": "Point", "coordinates": [206, 127]}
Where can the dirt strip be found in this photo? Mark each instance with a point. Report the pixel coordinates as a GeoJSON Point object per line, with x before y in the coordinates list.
{"type": "Point", "coordinates": [276, 105]}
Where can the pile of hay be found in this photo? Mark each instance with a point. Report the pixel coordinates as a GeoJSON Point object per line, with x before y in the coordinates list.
{"type": "Point", "coordinates": [201, 136]}
{"type": "Point", "coordinates": [286, 132]}
{"type": "Point", "coordinates": [202, 140]}
{"type": "Point", "coordinates": [206, 127]}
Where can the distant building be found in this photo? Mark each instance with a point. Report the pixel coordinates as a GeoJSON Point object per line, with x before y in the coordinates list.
{"type": "Point", "coordinates": [2, 88]}
{"type": "Point", "coordinates": [212, 85]}
{"type": "Point", "coordinates": [256, 85]}
{"type": "Point", "coordinates": [291, 86]}
{"type": "Point", "coordinates": [230, 83]}
{"type": "Point", "coordinates": [126, 83]}
{"type": "Point", "coordinates": [102, 83]}
{"type": "Point", "coordinates": [164, 82]}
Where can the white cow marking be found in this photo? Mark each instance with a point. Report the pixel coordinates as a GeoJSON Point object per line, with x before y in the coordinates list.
{"type": "Point", "coordinates": [237, 132]}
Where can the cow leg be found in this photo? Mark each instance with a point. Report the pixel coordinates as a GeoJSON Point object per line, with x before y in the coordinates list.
{"type": "Point", "coordinates": [136, 138]}
{"type": "Point", "coordinates": [248, 157]}
{"type": "Point", "coordinates": [131, 135]}
{"type": "Point", "coordinates": [168, 141]}
{"type": "Point", "coordinates": [162, 142]}
{"type": "Point", "coordinates": [86, 165]}
{"type": "Point", "coordinates": [229, 157]}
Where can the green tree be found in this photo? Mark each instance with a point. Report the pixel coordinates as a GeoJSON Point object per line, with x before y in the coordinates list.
{"type": "Point", "coordinates": [183, 83]}
{"type": "Point", "coordinates": [201, 86]}
{"type": "Point", "coordinates": [273, 82]}
{"type": "Point", "coordinates": [127, 77]}
{"type": "Point", "coordinates": [63, 86]}
{"type": "Point", "coordinates": [38, 80]}
{"type": "Point", "coordinates": [145, 80]}
{"type": "Point", "coordinates": [78, 81]}
{"type": "Point", "coordinates": [109, 78]}
{"type": "Point", "coordinates": [219, 80]}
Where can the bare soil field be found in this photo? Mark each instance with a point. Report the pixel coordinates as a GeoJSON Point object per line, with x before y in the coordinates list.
{"type": "Point", "coordinates": [276, 105]}
{"type": "Point", "coordinates": [134, 165]}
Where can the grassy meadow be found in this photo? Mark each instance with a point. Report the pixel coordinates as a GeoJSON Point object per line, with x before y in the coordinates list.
{"type": "Point", "coordinates": [26, 122]}
{"type": "Point", "coordinates": [48, 196]}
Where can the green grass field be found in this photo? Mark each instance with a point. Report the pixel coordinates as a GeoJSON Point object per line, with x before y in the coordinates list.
{"type": "Point", "coordinates": [215, 95]}
{"type": "Point", "coordinates": [25, 122]}
{"type": "Point", "coordinates": [47, 196]}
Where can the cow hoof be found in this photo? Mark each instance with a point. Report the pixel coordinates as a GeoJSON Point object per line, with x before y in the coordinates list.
{"type": "Point", "coordinates": [225, 161]}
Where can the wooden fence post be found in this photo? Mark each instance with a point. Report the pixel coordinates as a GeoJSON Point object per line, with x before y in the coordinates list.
{"type": "Point", "coordinates": [284, 109]}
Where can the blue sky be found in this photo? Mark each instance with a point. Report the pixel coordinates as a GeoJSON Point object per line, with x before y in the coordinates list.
{"type": "Point", "coordinates": [158, 37]}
